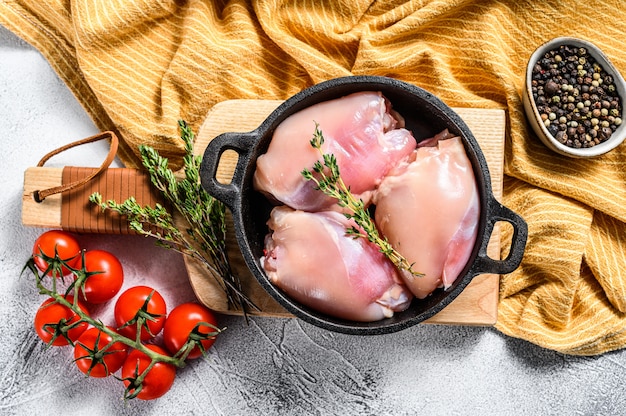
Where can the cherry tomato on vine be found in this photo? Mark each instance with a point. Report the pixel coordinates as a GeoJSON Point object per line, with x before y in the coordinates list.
{"type": "Point", "coordinates": [52, 315]}
{"type": "Point", "coordinates": [109, 356]}
{"type": "Point", "coordinates": [158, 380]}
{"type": "Point", "coordinates": [66, 247]}
{"type": "Point", "coordinates": [102, 286]}
{"type": "Point", "coordinates": [133, 306]}
{"type": "Point", "coordinates": [181, 321]}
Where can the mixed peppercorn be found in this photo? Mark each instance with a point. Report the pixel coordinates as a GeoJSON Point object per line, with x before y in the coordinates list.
{"type": "Point", "coordinates": [576, 98]}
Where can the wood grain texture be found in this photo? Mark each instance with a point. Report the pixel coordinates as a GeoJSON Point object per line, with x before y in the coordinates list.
{"type": "Point", "coordinates": [45, 214]}
{"type": "Point", "coordinates": [477, 304]}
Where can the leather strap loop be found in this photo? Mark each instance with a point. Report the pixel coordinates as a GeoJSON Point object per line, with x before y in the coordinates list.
{"type": "Point", "coordinates": [40, 195]}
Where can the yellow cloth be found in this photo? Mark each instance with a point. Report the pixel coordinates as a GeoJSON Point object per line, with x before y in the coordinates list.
{"type": "Point", "coordinates": [138, 66]}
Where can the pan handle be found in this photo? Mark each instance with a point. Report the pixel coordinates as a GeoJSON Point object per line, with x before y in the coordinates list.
{"type": "Point", "coordinates": [228, 193]}
{"type": "Point", "coordinates": [484, 263]}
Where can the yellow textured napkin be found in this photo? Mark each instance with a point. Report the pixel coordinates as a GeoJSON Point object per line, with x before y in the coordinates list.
{"type": "Point", "coordinates": [138, 66]}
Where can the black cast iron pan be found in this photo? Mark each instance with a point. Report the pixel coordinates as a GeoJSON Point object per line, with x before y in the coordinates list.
{"type": "Point", "coordinates": [425, 116]}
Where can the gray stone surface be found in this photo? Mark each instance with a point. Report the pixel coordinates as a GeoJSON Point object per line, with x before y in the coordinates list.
{"type": "Point", "coordinates": [271, 366]}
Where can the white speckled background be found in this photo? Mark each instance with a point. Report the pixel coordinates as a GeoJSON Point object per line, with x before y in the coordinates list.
{"type": "Point", "coordinates": [272, 366]}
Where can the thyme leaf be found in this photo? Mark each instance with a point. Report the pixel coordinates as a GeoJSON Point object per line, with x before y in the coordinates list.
{"type": "Point", "coordinates": [327, 178]}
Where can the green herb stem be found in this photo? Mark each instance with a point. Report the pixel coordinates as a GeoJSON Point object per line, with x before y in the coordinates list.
{"type": "Point", "coordinates": [327, 178]}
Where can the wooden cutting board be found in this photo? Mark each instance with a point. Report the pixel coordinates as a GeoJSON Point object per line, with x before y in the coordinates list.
{"type": "Point", "coordinates": [476, 305]}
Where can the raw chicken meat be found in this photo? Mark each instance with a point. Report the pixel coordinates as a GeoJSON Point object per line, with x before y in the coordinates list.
{"type": "Point", "coordinates": [428, 208]}
{"type": "Point", "coordinates": [310, 257]}
{"type": "Point", "coordinates": [362, 131]}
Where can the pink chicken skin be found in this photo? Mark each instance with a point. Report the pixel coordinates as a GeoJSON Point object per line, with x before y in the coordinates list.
{"type": "Point", "coordinates": [428, 208]}
{"type": "Point", "coordinates": [310, 257]}
{"type": "Point", "coordinates": [362, 131]}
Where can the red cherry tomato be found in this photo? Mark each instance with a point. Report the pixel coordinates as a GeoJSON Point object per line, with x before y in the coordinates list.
{"type": "Point", "coordinates": [181, 321]}
{"type": "Point", "coordinates": [130, 306]}
{"type": "Point", "coordinates": [157, 382]}
{"type": "Point", "coordinates": [103, 286]}
{"type": "Point", "coordinates": [92, 341]}
{"type": "Point", "coordinates": [66, 247]}
{"type": "Point", "coordinates": [52, 314]}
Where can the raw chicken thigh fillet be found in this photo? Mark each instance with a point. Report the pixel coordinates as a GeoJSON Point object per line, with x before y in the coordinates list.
{"type": "Point", "coordinates": [310, 257]}
{"type": "Point", "coordinates": [362, 131]}
{"type": "Point", "coordinates": [428, 208]}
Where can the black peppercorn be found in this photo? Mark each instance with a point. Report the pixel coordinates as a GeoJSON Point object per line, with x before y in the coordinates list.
{"type": "Point", "coordinates": [551, 87]}
{"type": "Point", "coordinates": [553, 129]}
{"type": "Point", "coordinates": [605, 132]}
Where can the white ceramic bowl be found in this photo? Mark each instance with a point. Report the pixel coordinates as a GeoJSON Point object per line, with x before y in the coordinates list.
{"type": "Point", "coordinates": [534, 117]}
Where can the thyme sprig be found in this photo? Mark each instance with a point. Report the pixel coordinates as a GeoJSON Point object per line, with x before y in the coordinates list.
{"type": "Point", "coordinates": [328, 179]}
{"type": "Point", "coordinates": [205, 238]}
